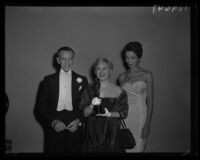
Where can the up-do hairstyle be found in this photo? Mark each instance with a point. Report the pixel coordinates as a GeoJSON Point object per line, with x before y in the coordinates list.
{"type": "Point", "coordinates": [65, 48]}
{"type": "Point", "coordinates": [105, 60]}
{"type": "Point", "coordinates": [135, 47]}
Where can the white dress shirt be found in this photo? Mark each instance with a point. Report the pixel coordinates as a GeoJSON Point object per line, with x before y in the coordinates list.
{"type": "Point", "coordinates": [65, 91]}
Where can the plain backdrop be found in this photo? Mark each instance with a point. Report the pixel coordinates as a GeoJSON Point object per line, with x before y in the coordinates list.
{"type": "Point", "coordinates": [33, 34]}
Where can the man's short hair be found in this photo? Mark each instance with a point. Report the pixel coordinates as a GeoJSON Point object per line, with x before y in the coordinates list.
{"type": "Point", "coordinates": [65, 48]}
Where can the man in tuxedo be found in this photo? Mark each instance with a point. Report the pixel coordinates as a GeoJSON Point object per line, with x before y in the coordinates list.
{"type": "Point", "coordinates": [58, 101]}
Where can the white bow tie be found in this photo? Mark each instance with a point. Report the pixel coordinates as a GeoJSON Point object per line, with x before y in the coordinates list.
{"type": "Point", "coordinates": [62, 107]}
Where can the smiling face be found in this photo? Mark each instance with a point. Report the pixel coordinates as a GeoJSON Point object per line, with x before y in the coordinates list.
{"type": "Point", "coordinates": [131, 59]}
{"type": "Point", "coordinates": [65, 59]}
{"type": "Point", "coordinates": [103, 71]}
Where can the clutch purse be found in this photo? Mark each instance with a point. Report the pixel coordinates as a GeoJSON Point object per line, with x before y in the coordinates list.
{"type": "Point", "coordinates": [98, 109]}
{"type": "Point", "coordinates": [126, 138]}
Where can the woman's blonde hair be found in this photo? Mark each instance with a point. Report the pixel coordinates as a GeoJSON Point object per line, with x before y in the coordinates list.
{"type": "Point", "coordinates": [105, 60]}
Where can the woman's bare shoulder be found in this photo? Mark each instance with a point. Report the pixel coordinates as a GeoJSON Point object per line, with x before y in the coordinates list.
{"type": "Point", "coordinates": [147, 74]}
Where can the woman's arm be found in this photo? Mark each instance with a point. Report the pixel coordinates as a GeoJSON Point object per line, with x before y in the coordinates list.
{"type": "Point", "coordinates": [150, 94]}
{"type": "Point", "coordinates": [150, 91]}
{"type": "Point", "coordinates": [114, 114]}
{"type": "Point", "coordinates": [85, 102]}
{"type": "Point", "coordinates": [88, 110]}
{"type": "Point", "coordinates": [88, 101]}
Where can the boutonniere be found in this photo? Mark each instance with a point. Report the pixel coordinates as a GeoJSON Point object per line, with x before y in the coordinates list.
{"type": "Point", "coordinates": [79, 80]}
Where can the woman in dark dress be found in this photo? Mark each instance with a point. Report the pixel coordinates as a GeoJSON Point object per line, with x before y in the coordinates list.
{"type": "Point", "coordinates": [103, 103]}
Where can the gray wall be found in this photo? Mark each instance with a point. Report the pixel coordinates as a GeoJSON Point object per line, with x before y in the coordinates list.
{"type": "Point", "coordinates": [33, 34]}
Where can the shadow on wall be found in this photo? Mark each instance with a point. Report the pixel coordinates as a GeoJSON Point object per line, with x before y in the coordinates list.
{"type": "Point", "coordinates": [36, 112]}
{"type": "Point", "coordinates": [124, 64]}
{"type": "Point", "coordinates": [92, 72]}
{"type": "Point", "coordinates": [55, 65]}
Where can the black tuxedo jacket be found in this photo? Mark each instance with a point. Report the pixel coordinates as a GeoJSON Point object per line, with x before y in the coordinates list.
{"type": "Point", "coordinates": [49, 95]}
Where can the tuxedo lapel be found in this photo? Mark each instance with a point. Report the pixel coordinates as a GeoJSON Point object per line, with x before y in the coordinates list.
{"type": "Point", "coordinates": [55, 88]}
{"type": "Point", "coordinates": [74, 87]}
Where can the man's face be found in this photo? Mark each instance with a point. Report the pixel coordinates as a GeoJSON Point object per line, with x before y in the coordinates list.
{"type": "Point", "coordinates": [65, 59]}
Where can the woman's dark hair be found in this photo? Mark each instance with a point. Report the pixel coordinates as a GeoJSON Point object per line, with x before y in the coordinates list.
{"type": "Point", "coordinates": [135, 47]}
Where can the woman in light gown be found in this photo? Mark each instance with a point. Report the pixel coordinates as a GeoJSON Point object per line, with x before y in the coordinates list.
{"type": "Point", "coordinates": [138, 84]}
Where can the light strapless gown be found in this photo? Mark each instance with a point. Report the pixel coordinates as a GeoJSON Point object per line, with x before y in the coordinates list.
{"type": "Point", "coordinates": [137, 93]}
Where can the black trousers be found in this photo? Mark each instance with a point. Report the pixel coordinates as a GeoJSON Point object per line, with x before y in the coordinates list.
{"type": "Point", "coordinates": [63, 142]}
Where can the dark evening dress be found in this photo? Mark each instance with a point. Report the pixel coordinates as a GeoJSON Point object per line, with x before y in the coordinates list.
{"type": "Point", "coordinates": [101, 133]}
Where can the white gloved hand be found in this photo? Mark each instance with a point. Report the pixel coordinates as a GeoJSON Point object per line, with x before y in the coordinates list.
{"type": "Point", "coordinates": [96, 101]}
{"type": "Point", "coordinates": [106, 114]}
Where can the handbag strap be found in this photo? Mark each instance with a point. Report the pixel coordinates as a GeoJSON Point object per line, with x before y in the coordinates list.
{"type": "Point", "coordinates": [122, 121]}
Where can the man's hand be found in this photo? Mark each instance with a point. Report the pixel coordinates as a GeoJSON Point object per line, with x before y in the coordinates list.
{"type": "Point", "coordinates": [58, 125]}
{"type": "Point", "coordinates": [73, 126]}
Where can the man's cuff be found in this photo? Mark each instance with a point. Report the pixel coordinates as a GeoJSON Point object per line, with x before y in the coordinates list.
{"type": "Point", "coordinates": [79, 123]}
